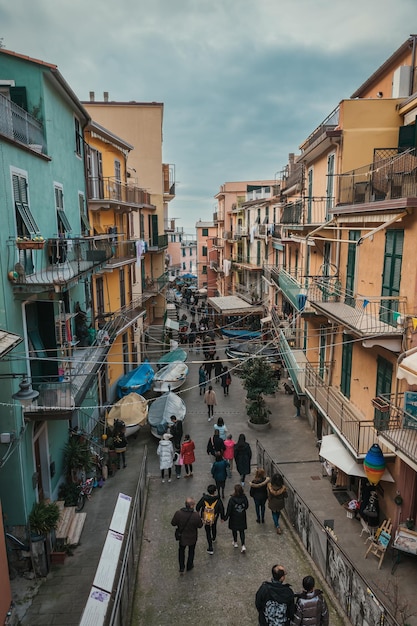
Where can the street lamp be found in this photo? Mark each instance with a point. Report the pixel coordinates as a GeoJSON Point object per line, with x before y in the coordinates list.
{"type": "Point", "coordinates": [26, 394]}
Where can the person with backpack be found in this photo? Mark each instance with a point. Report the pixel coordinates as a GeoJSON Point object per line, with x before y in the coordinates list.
{"type": "Point", "coordinates": [275, 600]}
{"type": "Point", "coordinates": [310, 607]}
{"type": "Point", "coordinates": [226, 381]}
{"type": "Point", "coordinates": [211, 508]}
{"type": "Point", "coordinates": [236, 514]}
{"type": "Point", "coordinates": [215, 444]}
{"type": "Point", "coordinates": [219, 473]}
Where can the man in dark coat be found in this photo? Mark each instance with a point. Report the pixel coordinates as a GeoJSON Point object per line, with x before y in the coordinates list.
{"type": "Point", "coordinates": [275, 600]}
{"type": "Point", "coordinates": [176, 431]}
{"type": "Point", "coordinates": [188, 522]}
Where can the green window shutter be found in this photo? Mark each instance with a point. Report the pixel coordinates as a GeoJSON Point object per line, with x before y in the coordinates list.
{"type": "Point", "coordinates": [391, 277]}
{"type": "Point", "coordinates": [383, 386]}
{"type": "Point", "coordinates": [407, 137]}
{"type": "Point", "coordinates": [258, 253]}
{"type": "Point", "coordinates": [204, 251]}
{"type": "Point", "coordinates": [346, 373]}
{"type": "Point", "coordinates": [154, 230]}
{"type": "Point", "coordinates": [350, 267]}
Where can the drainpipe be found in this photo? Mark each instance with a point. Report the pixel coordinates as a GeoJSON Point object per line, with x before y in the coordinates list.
{"type": "Point", "coordinates": [413, 63]}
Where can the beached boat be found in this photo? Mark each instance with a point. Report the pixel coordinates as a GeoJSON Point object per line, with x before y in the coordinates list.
{"type": "Point", "coordinates": [138, 380]}
{"type": "Point", "coordinates": [170, 377]}
{"type": "Point", "coordinates": [231, 333]}
{"type": "Point", "coordinates": [174, 355]}
{"type": "Point", "coordinates": [132, 410]}
{"type": "Point", "coordinates": [160, 411]}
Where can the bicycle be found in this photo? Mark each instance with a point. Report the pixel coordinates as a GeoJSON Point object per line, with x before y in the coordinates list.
{"type": "Point", "coordinates": [85, 488]}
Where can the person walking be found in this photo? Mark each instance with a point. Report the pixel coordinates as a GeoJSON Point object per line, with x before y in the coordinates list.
{"type": "Point", "coordinates": [211, 401]}
{"type": "Point", "coordinates": [165, 452]}
{"type": "Point", "coordinates": [221, 427]}
{"type": "Point", "coordinates": [277, 493]}
{"type": "Point", "coordinates": [208, 366]}
{"type": "Point", "coordinates": [210, 507]}
{"type": "Point", "coordinates": [226, 381]}
{"type": "Point", "coordinates": [215, 444]}
{"type": "Point", "coordinates": [202, 379]}
{"type": "Point", "coordinates": [259, 493]}
{"type": "Point", "coordinates": [297, 403]}
{"type": "Point", "coordinates": [236, 514]}
{"type": "Point", "coordinates": [187, 453]}
{"type": "Point", "coordinates": [275, 600]}
{"type": "Point", "coordinates": [120, 443]}
{"type": "Point", "coordinates": [310, 607]}
{"type": "Point", "coordinates": [243, 456]}
{"type": "Point", "coordinates": [219, 473]}
{"type": "Point", "coordinates": [229, 452]}
{"type": "Point", "coordinates": [187, 521]}
{"type": "Point", "coordinates": [218, 369]}
{"type": "Point", "coordinates": [176, 431]}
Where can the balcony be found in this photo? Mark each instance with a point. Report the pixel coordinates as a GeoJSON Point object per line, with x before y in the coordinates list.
{"type": "Point", "coordinates": [292, 213]}
{"type": "Point", "coordinates": [59, 264]}
{"type": "Point", "coordinates": [168, 173]}
{"type": "Point", "coordinates": [363, 315]}
{"type": "Point", "coordinates": [116, 194]}
{"type": "Point", "coordinates": [397, 428]}
{"type": "Point", "coordinates": [346, 419]}
{"type": "Point", "coordinates": [19, 126]}
{"type": "Point", "coordinates": [218, 242]}
{"type": "Point", "coordinates": [392, 176]}
{"type": "Point", "coordinates": [123, 252]}
{"type": "Point", "coordinates": [239, 232]}
{"type": "Point", "coordinates": [218, 216]}
{"type": "Point", "coordinates": [328, 125]}
{"type": "Point", "coordinates": [157, 243]}
{"type": "Point", "coordinates": [153, 286]}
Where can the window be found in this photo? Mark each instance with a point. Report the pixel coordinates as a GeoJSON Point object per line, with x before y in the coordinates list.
{"type": "Point", "coordinates": [78, 137]}
{"type": "Point", "coordinates": [205, 232]}
{"type": "Point", "coordinates": [184, 266]}
{"type": "Point", "coordinates": [204, 251]}
{"type": "Point", "coordinates": [85, 224]}
{"type": "Point", "coordinates": [346, 372]}
{"type": "Point", "coordinates": [117, 174]}
{"type": "Point", "coordinates": [64, 226]}
{"type": "Point", "coordinates": [204, 270]}
{"type": "Point", "coordinates": [25, 222]}
{"type": "Point", "coordinates": [183, 252]}
{"type": "Point", "coordinates": [391, 276]}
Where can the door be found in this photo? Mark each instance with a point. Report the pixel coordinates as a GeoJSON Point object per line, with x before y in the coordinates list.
{"type": "Point", "coordinates": [391, 276]}
{"type": "Point", "coordinates": [346, 365]}
{"type": "Point", "coordinates": [350, 267]}
{"type": "Point", "coordinates": [122, 287]}
{"type": "Point", "coordinates": [383, 386]}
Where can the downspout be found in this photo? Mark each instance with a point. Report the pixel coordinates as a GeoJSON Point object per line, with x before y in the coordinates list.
{"type": "Point", "coordinates": [413, 64]}
{"type": "Point", "coordinates": [334, 326]}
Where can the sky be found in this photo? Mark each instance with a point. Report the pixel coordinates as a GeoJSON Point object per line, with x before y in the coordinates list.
{"type": "Point", "coordinates": [243, 82]}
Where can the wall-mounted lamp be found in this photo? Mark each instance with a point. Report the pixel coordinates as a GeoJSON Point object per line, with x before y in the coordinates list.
{"type": "Point", "coordinates": [379, 94]}
{"type": "Point", "coordinates": [26, 394]}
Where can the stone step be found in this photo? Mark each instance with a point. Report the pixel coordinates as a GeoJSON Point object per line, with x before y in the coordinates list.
{"type": "Point", "coordinates": [76, 528]}
{"type": "Point", "coordinates": [65, 520]}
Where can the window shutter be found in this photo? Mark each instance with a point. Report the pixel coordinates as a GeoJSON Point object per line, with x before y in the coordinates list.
{"type": "Point", "coordinates": [406, 137]}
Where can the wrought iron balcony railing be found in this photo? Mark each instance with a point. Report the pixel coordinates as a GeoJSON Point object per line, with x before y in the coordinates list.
{"type": "Point", "coordinates": [363, 314]}
{"type": "Point", "coordinates": [18, 125]}
{"type": "Point", "coordinates": [58, 263]}
{"type": "Point", "coordinates": [396, 425]}
{"type": "Point", "coordinates": [114, 190]}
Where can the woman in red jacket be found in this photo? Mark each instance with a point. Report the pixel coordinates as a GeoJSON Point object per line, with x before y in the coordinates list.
{"type": "Point", "coordinates": [187, 453]}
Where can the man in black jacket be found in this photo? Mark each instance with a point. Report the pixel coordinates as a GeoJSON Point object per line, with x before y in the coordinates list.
{"type": "Point", "coordinates": [275, 600]}
{"type": "Point", "coordinates": [188, 522]}
{"type": "Point", "coordinates": [210, 507]}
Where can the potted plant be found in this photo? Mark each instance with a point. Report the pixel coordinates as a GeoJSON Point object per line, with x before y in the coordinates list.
{"type": "Point", "coordinates": [43, 518]}
{"type": "Point", "coordinates": [258, 380]}
{"type": "Point", "coordinates": [77, 458]}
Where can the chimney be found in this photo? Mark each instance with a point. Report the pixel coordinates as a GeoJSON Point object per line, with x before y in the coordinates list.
{"type": "Point", "coordinates": [92, 96]}
{"type": "Point", "coordinates": [105, 96]}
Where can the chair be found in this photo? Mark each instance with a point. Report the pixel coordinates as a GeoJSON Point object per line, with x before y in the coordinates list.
{"type": "Point", "coordinates": [380, 542]}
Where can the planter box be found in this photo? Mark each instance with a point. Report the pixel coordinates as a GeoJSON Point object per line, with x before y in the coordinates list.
{"type": "Point", "coordinates": [58, 558]}
{"type": "Point", "coordinates": [259, 427]}
{"type": "Point", "coordinates": [30, 245]}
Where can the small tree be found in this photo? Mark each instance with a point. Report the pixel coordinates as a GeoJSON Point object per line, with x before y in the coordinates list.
{"type": "Point", "coordinates": [258, 379]}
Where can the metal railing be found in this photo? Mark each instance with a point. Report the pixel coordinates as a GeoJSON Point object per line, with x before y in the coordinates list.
{"type": "Point", "coordinates": [58, 262]}
{"type": "Point", "coordinates": [329, 123]}
{"type": "Point", "coordinates": [357, 431]}
{"type": "Point", "coordinates": [397, 426]}
{"type": "Point", "coordinates": [367, 314]}
{"type": "Point", "coordinates": [18, 125]}
{"type": "Point", "coordinates": [110, 188]}
{"type": "Point", "coordinates": [390, 176]}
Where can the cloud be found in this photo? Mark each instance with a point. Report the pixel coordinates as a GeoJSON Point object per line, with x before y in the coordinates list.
{"type": "Point", "coordinates": [243, 82]}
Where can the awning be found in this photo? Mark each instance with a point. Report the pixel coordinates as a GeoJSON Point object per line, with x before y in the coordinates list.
{"type": "Point", "coordinates": [333, 450]}
{"type": "Point", "coordinates": [407, 369]}
{"type": "Point", "coordinates": [233, 305]}
{"type": "Point", "coordinates": [8, 341]}
{"type": "Point", "coordinates": [172, 324]}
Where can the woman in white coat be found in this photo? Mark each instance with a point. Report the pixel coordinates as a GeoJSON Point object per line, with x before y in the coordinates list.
{"type": "Point", "coordinates": [165, 452]}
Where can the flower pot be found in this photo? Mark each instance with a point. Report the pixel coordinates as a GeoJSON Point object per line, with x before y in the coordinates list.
{"type": "Point", "coordinates": [58, 558]}
{"type": "Point", "coordinates": [259, 427]}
